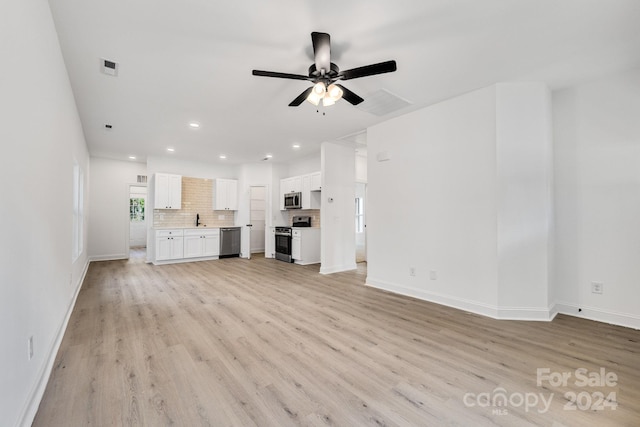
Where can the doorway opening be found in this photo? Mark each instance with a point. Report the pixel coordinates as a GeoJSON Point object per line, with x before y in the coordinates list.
{"type": "Point", "coordinates": [361, 223]}
{"type": "Point", "coordinates": [137, 221]}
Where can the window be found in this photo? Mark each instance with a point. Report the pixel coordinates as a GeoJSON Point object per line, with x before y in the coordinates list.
{"type": "Point", "coordinates": [359, 215]}
{"type": "Point", "coordinates": [78, 212]}
{"type": "Point", "coordinates": [136, 209]}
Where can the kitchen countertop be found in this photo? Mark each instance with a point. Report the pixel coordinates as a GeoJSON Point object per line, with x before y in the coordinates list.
{"type": "Point", "coordinates": [195, 228]}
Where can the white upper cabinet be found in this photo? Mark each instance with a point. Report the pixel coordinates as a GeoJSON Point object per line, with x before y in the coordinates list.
{"type": "Point", "coordinates": [291, 185]}
{"type": "Point", "coordinates": [225, 197]}
{"type": "Point", "coordinates": [316, 181]}
{"type": "Point", "coordinates": [168, 191]}
{"type": "Point", "coordinates": [310, 193]}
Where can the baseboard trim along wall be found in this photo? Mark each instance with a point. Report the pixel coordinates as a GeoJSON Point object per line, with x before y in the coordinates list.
{"type": "Point", "coordinates": [495, 312]}
{"type": "Point", "coordinates": [31, 408]}
{"type": "Point", "coordinates": [337, 268]}
{"type": "Point", "coordinates": [591, 313]}
{"type": "Point", "coordinates": [512, 313]}
{"type": "Point", "coordinates": [108, 257]}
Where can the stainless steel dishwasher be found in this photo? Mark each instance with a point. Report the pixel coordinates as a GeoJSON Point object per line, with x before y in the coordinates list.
{"type": "Point", "coordinates": [229, 242]}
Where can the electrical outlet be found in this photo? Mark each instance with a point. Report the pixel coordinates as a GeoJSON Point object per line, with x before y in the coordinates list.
{"type": "Point", "coordinates": [412, 271]}
{"type": "Point", "coordinates": [30, 347]}
{"type": "Point", "coordinates": [597, 287]}
{"type": "Point", "coordinates": [433, 275]}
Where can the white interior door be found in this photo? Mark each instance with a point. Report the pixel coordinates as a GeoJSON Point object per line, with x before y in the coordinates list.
{"type": "Point", "coordinates": [258, 218]}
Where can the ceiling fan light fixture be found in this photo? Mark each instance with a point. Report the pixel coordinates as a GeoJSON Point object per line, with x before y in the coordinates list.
{"type": "Point", "coordinates": [334, 92]}
{"type": "Point", "coordinates": [327, 101]}
{"type": "Point", "coordinates": [314, 98]}
{"type": "Point", "coordinates": [319, 89]}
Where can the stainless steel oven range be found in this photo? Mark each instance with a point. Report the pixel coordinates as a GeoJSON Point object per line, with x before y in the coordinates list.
{"type": "Point", "coordinates": [283, 243]}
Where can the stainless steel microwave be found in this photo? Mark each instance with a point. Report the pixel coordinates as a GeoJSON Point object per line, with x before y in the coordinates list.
{"type": "Point", "coordinates": [293, 201]}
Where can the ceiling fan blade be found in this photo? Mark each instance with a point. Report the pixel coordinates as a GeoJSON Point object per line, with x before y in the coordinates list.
{"type": "Point", "coordinates": [300, 99]}
{"type": "Point", "coordinates": [280, 75]}
{"type": "Point", "coordinates": [368, 70]}
{"type": "Point", "coordinates": [349, 96]}
{"type": "Point", "coordinates": [321, 50]}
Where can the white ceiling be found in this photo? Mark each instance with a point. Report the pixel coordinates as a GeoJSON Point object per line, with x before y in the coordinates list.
{"type": "Point", "coordinates": [191, 60]}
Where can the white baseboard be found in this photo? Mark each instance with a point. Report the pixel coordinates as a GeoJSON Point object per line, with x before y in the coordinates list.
{"type": "Point", "coordinates": [338, 268]}
{"type": "Point", "coordinates": [184, 260]}
{"type": "Point", "coordinates": [30, 410]}
{"type": "Point", "coordinates": [541, 314]}
{"type": "Point", "coordinates": [488, 310]}
{"type": "Point", "coordinates": [591, 313]}
{"type": "Point", "coordinates": [113, 257]}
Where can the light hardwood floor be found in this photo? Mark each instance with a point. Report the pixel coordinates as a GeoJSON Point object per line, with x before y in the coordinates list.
{"type": "Point", "coordinates": [263, 343]}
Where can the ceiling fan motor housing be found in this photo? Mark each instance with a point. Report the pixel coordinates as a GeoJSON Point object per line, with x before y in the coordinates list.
{"type": "Point", "coordinates": [328, 75]}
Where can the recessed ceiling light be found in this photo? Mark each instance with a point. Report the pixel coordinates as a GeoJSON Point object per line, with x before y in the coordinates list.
{"type": "Point", "coordinates": [296, 145]}
{"type": "Point", "coordinates": [222, 156]}
{"type": "Point", "coordinates": [194, 125]}
{"type": "Point", "coordinates": [171, 150]}
{"type": "Point", "coordinates": [268, 156]}
{"type": "Point", "coordinates": [132, 157]}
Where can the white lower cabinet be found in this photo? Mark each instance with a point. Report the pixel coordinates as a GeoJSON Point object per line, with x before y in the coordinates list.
{"type": "Point", "coordinates": [201, 242]}
{"type": "Point", "coordinates": [176, 245]}
{"type": "Point", "coordinates": [305, 245]}
{"type": "Point", "coordinates": [296, 252]}
{"type": "Point", "coordinates": [270, 243]}
{"type": "Point", "coordinates": [169, 244]}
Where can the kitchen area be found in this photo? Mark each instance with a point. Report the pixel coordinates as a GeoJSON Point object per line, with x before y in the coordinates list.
{"type": "Point", "coordinates": [193, 219]}
{"type": "Point", "coordinates": [220, 194]}
{"type": "Point", "coordinates": [197, 219]}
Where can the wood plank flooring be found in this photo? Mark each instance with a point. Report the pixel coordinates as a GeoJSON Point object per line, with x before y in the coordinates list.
{"type": "Point", "coordinates": [259, 342]}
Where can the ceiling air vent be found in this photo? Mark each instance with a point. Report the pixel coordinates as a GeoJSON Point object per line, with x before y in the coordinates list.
{"type": "Point", "coordinates": [109, 67]}
{"type": "Point", "coordinates": [382, 102]}
{"type": "Point", "coordinates": [142, 179]}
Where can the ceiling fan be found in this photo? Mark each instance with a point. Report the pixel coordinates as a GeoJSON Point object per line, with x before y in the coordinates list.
{"type": "Point", "coordinates": [324, 74]}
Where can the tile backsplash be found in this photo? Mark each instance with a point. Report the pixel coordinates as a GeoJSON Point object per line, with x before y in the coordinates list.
{"type": "Point", "coordinates": [313, 213]}
{"type": "Point", "coordinates": [197, 198]}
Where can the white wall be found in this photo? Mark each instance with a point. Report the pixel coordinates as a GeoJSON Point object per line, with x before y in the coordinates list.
{"type": "Point", "coordinates": [109, 212]}
{"type": "Point", "coordinates": [597, 198]}
{"type": "Point", "coordinates": [41, 136]}
{"type": "Point", "coordinates": [305, 165]}
{"type": "Point", "coordinates": [337, 222]}
{"type": "Point", "coordinates": [361, 166]}
{"type": "Point", "coordinates": [524, 163]}
{"type": "Point", "coordinates": [432, 206]}
{"type": "Point", "coordinates": [171, 164]}
{"type": "Point", "coordinates": [460, 211]}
